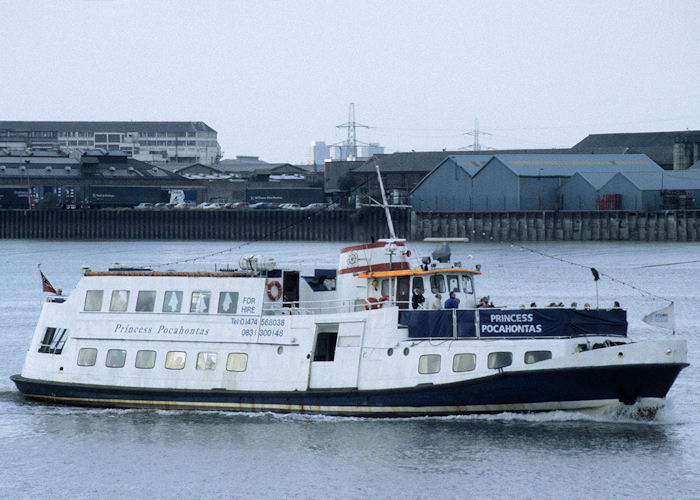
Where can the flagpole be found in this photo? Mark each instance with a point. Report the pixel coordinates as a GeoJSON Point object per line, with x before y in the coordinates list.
{"type": "Point", "coordinates": [41, 290]}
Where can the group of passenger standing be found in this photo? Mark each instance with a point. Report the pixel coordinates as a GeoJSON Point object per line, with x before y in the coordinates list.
{"type": "Point", "coordinates": [418, 300]}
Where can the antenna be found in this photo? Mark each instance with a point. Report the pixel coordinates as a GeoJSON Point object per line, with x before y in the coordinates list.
{"type": "Point", "coordinates": [351, 125]}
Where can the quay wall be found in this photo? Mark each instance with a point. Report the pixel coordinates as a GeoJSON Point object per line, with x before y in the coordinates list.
{"type": "Point", "coordinates": [347, 225]}
{"type": "Point", "coordinates": [676, 225]}
{"type": "Point", "coordinates": [236, 225]}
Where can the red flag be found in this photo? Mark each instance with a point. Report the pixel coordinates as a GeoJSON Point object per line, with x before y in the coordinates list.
{"type": "Point", "coordinates": [46, 286]}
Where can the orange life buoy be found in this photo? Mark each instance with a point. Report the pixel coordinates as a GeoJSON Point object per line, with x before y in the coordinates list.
{"type": "Point", "coordinates": [372, 303]}
{"type": "Point", "coordinates": [278, 293]}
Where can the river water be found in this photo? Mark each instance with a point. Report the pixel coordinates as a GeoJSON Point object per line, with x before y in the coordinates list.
{"type": "Point", "coordinates": [64, 452]}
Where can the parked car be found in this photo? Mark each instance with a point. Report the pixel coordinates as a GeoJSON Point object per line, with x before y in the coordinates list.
{"type": "Point", "coordinates": [263, 205]}
{"type": "Point", "coordinates": [315, 206]}
{"type": "Point", "coordinates": [144, 205]}
{"type": "Point", "coordinates": [215, 205]}
{"type": "Point", "coordinates": [290, 206]}
{"type": "Point", "coordinates": [239, 204]}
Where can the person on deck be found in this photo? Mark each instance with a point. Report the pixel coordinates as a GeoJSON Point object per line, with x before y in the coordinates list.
{"type": "Point", "coordinates": [417, 300]}
{"type": "Point", "coordinates": [452, 302]}
{"type": "Point", "coordinates": [437, 303]}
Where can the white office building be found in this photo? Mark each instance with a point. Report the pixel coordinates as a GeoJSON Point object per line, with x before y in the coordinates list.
{"type": "Point", "coordinates": [317, 153]}
{"type": "Point", "coordinates": [177, 142]}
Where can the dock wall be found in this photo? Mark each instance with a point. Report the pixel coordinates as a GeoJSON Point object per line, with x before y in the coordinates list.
{"type": "Point", "coordinates": [347, 225]}
{"type": "Point", "coordinates": [677, 225]}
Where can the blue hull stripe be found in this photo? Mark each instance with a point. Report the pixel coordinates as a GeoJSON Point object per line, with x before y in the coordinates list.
{"type": "Point", "coordinates": [545, 389]}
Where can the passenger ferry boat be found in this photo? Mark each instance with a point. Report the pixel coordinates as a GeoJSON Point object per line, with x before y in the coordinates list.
{"type": "Point", "coordinates": [343, 341]}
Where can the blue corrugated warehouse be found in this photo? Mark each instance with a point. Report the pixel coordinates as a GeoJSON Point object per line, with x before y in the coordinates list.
{"type": "Point", "coordinates": [514, 182]}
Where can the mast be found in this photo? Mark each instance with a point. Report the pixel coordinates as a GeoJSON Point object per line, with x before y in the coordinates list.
{"type": "Point", "coordinates": [385, 205]}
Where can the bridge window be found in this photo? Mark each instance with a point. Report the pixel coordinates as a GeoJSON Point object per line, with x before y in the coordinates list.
{"type": "Point", "coordinates": [429, 363]}
{"type": "Point", "coordinates": [172, 302]}
{"type": "Point", "coordinates": [228, 302]}
{"type": "Point", "coordinates": [93, 300]}
{"type": "Point", "coordinates": [146, 301]}
{"type": "Point", "coordinates": [237, 362]}
{"type": "Point", "coordinates": [87, 356]}
{"type": "Point", "coordinates": [115, 358]}
{"type": "Point", "coordinates": [145, 359]}
{"type": "Point", "coordinates": [437, 283]}
{"type": "Point", "coordinates": [175, 360]}
{"type": "Point", "coordinates": [418, 283]}
{"type": "Point", "coordinates": [386, 287]}
{"type": "Point", "coordinates": [500, 359]}
{"type": "Point", "coordinates": [200, 302]}
{"type": "Point", "coordinates": [120, 300]}
{"type": "Point", "coordinates": [467, 284]}
{"type": "Point", "coordinates": [464, 362]}
{"type": "Point", "coordinates": [206, 361]}
{"type": "Point", "coordinates": [537, 356]}
{"type": "Point", "coordinates": [453, 283]}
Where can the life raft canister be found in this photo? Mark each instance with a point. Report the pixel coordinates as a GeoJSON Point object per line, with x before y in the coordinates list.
{"type": "Point", "coordinates": [277, 287]}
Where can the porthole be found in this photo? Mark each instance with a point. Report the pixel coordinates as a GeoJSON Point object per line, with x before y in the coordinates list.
{"type": "Point", "coordinates": [280, 350]}
{"type": "Point", "coordinates": [406, 350]}
{"type": "Point", "coordinates": [389, 351]}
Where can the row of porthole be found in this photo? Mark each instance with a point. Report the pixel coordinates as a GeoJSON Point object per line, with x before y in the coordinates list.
{"type": "Point", "coordinates": [390, 351]}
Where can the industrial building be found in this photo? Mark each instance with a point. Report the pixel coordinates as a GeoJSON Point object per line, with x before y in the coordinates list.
{"type": "Point", "coordinates": [512, 181]}
{"type": "Point", "coordinates": [651, 191]}
{"type": "Point", "coordinates": [670, 150]}
{"type": "Point", "coordinates": [401, 172]}
{"type": "Point", "coordinates": [96, 180]}
{"type": "Point", "coordinates": [178, 142]}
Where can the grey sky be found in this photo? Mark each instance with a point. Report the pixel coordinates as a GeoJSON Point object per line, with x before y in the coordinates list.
{"type": "Point", "coordinates": [272, 76]}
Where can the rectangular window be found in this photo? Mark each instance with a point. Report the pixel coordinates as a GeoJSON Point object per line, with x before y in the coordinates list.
{"type": "Point", "coordinates": [146, 301]}
{"type": "Point", "coordinates": [237, 362]}
{"type": "Point", "coordinates": [228, 302]}
{"type": "Point", "coordinates": [172, 302]}
{"type": "Point", "coordinates": [453, 283]}
{"type": "Point", "coordinates": [206, 361]}
{"type": "Point", "coordinates": [200, 302]}
{"type": "Point", "coordinates": [87, 356]}
{"type": "Point", "coordinates": [500, 359]}
{"type": "Point", "coordinates": [464, 362]}
{"type": "Point", "coordinates": [175, 360]}
{"type": "Point", "coordinates": [418, 283]}
{"type": "Point", "coordinates": [115, 138]}
{"type": "Point", "coordinates": [100, 137]}
{"type": "Point", "coordinates": [429, 363]}
{"type": "Point", "coordinates": [537, 356]}
{"type": "Point", "coordinates": [145, 359]}
{"type": "Point", "coordinates": [93, 300]}
{"type": "Point", "coordinates": [115, 358]}
{"type": "Point", "coordinates": [437, 283]}
{"type": "Point", "coordinates": [53, 341]}
{"type": "Point", "coordinates": [386, 288]}
{"type": "Point", "coordinates": [467, 284]}
{"type": "Point", "coordinates": [120, 300]}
